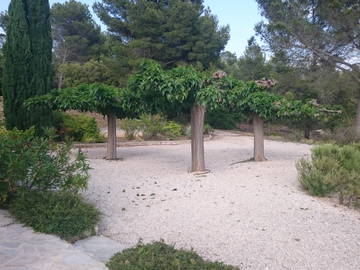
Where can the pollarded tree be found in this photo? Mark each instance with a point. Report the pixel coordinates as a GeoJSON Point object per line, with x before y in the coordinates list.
{"type": "Point", "coordinates": [253, 99]}
{"type": "Point", "coordinates": [175, 90]}
{"type": "Point", "coordinates": [27, 68]}
{"type": "Point", "coordinates": [107, 100]}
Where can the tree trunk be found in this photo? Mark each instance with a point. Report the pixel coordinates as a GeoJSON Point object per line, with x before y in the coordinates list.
{"type": "Point", "coordinates": [307, 133]}
{"type": "Point", "coordinates": [357, 123]}
{"type": "Point", "coordinates": [197, 138]}
{"type": "Point", "coordinates": [258, 124]}
{"type": "Point", "coordinates": [111, 141]}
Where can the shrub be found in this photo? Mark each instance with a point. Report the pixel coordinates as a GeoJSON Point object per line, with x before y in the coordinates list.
{"type": "Point", "coordinates": [333, 169]}
{"type": "Point", "coordinates": [152, 125]}
{"type": "Point", "coordinates": [208, 129]}
{"type": "Point", "coordinates": [159, 256]}
{"type": "Point", "coordinates": [38, 163]}
{"type": "Point", "coordinates": [61, 213]}
{"type": "Point", "coordinates": [80, 128]}
{"type": "Point", "coordinates": [223, 120]}
{"type": "Point", "coordinates": [172, 130]}
{"type": "Point", "coordinates": [131, 127]}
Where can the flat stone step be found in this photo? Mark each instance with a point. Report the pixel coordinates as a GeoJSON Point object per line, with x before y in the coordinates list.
{"type": "Point", "coordinates": [23, 249]}
{"type": "Point", "coordinates": [100, 247]}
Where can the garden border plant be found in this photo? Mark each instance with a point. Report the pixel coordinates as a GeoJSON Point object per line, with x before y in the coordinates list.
{"type": "Point", "coordinates": [39, 182]}
{"type": "Point", "coordinates": [332, 170]}
{"type": "Point", "coordinates": [161, 256]}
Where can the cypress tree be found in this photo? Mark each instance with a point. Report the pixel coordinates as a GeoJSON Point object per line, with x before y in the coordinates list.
{"type": "Point", "coordinates": [28, 70]}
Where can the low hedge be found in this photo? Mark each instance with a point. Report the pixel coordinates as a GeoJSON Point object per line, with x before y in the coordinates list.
{"type": "Point", "coordinates": [61, 213]}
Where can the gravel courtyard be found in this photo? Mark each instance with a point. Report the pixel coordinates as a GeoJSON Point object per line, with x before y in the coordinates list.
{"type": "Point", "coordinates": [252, 215]}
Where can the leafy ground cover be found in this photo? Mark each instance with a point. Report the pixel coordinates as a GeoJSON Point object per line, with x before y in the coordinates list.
{"type": "Point", "coordinates": [160, 256]}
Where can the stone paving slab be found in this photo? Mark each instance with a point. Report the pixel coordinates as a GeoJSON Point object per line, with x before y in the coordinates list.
{"type": "Point", "coordinates": [101, 247]}
{"type": "Point", "coordinates": [23, 249]}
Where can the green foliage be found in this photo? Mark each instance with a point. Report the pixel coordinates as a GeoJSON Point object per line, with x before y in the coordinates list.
{"type": "Point", "coordinates": [73, 74]}
{"type": "Point", "coordinates": [172, 130]}
{"type": "Point", "coordinates": [29, 162]}
{"type": "Point", "coordinates": [152, 125]}
{"type": "Point", "coordinates": [159, 256]}
{"type": "Point", "coordinates": [208, 129]}
{"type": "Point", "coordinates": [95, 97]}
{"type": "Point", "coordinates": [333, 169]}
{"type": "Point", "coordinates": [77, 37]}
{"type": "Point", "coordinates": [27, 68]}
{"type": "Point", "coordinates": [63, 214]}
{"type": "Point", "coordinates": [171, 92]}
{"type": "Point", "coordinates": [178, 89]}
{"type": "Point", "coordinates": [171, 32]}
{"type": "Point", "coordinates": [250, 66]}
{"type": "Point", "coordinates": [131, 127]}
{"type": "Point", "coordinates": [223, 119]}
{"type": "Point", "coordinates": [80, 128]}
{"type": "Point", "coordinates": [311, 42]}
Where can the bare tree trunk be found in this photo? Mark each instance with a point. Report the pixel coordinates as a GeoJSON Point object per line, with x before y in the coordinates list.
{"type": "Point", "coordinates": [111, 141]}
{"type": "Point", "coordinates": [306, 133]}
{"type": "Point", "coordinates": [258, 139]}
{"type": "Point", "coordinates": [60, 82]}
{"type": "Point", "coordinates": [197, 138]}
{"type": "Point", "coordinates": [357, 123]}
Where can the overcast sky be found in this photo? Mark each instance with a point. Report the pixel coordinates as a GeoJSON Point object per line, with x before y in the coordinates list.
{"type": "Point", "coordinates": [241, 15]}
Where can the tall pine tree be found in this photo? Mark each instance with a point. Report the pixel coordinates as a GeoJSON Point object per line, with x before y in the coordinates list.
{"type": "Point", "coordinates": [27, 70]}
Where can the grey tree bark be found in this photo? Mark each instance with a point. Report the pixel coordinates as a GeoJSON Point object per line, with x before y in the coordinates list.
{"type": "Point", "coordinates": [111, 141]}
{"type": "Point", "coordinates": [197, 138]}
{"type": "Point", "coordinates": [259, 153]}
{"type": "Point", "coordinates": [357, 121]}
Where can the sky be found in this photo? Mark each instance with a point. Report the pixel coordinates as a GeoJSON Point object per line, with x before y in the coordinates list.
{"type": "Point", "coordinates": [241, 15]}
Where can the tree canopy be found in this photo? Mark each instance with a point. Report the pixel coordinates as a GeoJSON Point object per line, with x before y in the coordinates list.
{"type": "Point", "coordinates": [76, 35]}
{"type": "Point", "coordinates": [27, 68]}
{"type": "Point", "coordinates": [170, 32]}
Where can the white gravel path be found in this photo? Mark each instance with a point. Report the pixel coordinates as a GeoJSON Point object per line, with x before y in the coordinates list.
{"type": "Point", "coordinates": [252, 215]}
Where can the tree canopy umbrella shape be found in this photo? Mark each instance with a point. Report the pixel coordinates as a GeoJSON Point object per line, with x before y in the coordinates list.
{"type": "Point", "coordinates": [174, 90]}
{"type": "Point", "coordinates": [253, 99]}
{"type": "Point", "coordinates": [109, 101]}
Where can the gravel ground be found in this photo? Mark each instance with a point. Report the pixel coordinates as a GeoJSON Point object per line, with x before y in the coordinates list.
{"type": "Point", "coordinates": [252, 215]}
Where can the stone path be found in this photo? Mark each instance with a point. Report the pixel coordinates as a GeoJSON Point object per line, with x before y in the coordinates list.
{"type": "Point", "coordinates": [23, 249]}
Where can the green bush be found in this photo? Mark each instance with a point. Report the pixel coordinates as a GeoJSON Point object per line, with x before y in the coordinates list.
{"type": "Point", "coordinates": [208, 129]}
{"type": "Point", "coordinates": [131, 127]}
{"type": "Point", "coordinates": [223, 120]}
{"type": "Point", "coordinates": [172, 130]}
{"type": "Point", "coordinates": [159, 256]}
{"type": "Point", "coordinates": [80, 128]}
{"type": "Point", "coordinates": [38, 163]}
{"type": "Point", "coordinates": [152, 125]}
{"type": "Point", "coordinates": [63, 214]}
{"type": "Point", "coordinates": [333, 169]}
